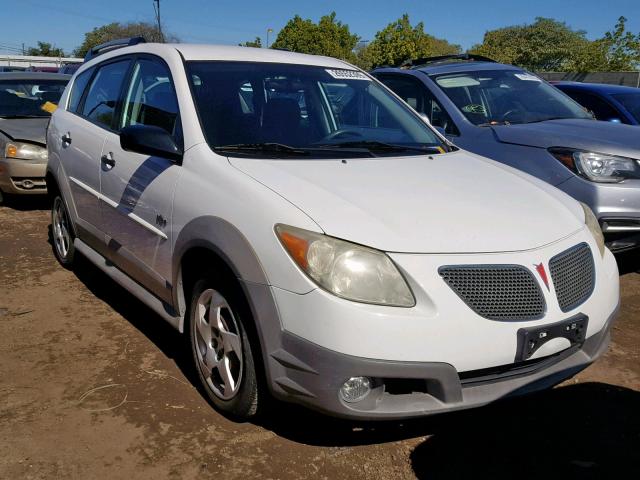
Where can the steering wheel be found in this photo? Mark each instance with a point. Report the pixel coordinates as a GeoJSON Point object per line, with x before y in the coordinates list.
{"type": "Point", "coordinates": [508, 113]}
{"type": "Point", "coordinates": [342, 132]}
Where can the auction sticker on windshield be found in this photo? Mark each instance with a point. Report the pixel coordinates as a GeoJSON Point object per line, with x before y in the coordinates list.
{"type": "Point", "coordinates": [527, 76]}
{"type": "Point", "coordinates": [347, 74]}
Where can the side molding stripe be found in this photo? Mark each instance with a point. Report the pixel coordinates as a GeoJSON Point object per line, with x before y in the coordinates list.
{"type": "Point", "coordinates": [113, 204]}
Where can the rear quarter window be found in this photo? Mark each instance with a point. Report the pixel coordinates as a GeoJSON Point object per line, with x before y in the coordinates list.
{"type": "Point", "coordinates": [77, 89]}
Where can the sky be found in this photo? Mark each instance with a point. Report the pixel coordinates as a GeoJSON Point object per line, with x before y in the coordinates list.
{"type": "Point", "coordinates": [64, 22]}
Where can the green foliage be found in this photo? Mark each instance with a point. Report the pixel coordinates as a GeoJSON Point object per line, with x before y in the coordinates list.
{"type": "Point", "coordinates": [549, 45]}
{"type": "Point", "coordinates": [116, 30]}
{"type": "Point", "coordinates": [545, 44]}
{"type": "Point", "coordinates": [45, 49]}
{"type": "Point", "coordinates": [327, 37]}
{"type": "Point", "coordinates": [257, 43]}
{"type": "Point", "coordinates": [622, 48]}
{"type": "Point", "coordinates": [400, 41]}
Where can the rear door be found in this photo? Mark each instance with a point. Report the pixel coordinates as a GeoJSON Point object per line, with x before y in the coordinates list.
{"type": "Point", "coordinates": [82, 129]}
{"type": "Point", "coordinates": [137, 190]}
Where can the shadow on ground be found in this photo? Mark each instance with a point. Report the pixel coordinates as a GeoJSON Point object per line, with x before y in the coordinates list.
{"type": "Point", "coordinates": [589, 430]}
{"type": "Point", "coordinates": [25, 203]}
{"type": "Point", "coordinates": [629, 262]}
{"type": "Point", "coordinates": [584, 431]}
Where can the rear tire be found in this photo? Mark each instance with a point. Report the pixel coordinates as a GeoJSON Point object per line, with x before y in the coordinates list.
{"type": "Point", "coordinates": [62, 232]}
{"type": "Point", "coordinates": [220, 348]}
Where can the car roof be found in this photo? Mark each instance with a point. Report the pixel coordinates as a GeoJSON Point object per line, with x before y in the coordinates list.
{"type": "Point", "coordinates": [597, 87]}
{"type": "Point", "coordinates": [203, 52]}
{"type": "Point", "coordinates": [452, 67]}
{"type": "Point", "coordinates": [33, 76]}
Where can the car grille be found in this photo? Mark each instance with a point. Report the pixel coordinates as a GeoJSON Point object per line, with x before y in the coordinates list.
{"type": "Point", "coordinates": [573, 275]}
{"type": "Point", "coordinates": [497, 292]}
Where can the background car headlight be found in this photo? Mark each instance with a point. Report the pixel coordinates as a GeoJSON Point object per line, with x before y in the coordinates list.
{"type": "Point", "coordinates": [594, 227]}
{"type": "Point", "coordinates": [25, 151]}
{"type": "Point", "coordinates": [345, 269]}
{"type": "Point", "coordinates": [598, 167]}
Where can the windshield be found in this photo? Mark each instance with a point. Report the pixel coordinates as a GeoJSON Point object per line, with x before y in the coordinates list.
{"type": "Point", "coordinates": [303, 110]}
{"type": "Point", "coordinates": [29, 98]}
{"type": "Point", "coordinates": [507, 96]}
{"type": "Point", "coordinates": [631, 102]}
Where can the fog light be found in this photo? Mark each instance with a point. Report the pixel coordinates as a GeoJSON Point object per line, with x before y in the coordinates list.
{"type": "Point", "coordinates": [355, 389]}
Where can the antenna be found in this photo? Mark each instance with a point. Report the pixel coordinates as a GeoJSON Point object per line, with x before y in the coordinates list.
{"type": "Point", "coordinates": [156, 9]}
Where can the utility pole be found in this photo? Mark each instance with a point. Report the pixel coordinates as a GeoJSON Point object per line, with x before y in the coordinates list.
{"type": "Point", "coordinates": [156, 8]}
{"type": "Point", "coordinates": [269, 30]}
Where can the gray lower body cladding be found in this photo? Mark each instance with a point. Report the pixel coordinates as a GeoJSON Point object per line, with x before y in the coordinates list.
{"type": "Point", "coordinates": [305, 373]}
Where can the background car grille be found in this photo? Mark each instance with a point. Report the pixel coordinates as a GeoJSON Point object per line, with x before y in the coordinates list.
{"type": "Point", "coordinates": [573, 275]}
{"type": "Point", "coordinates": [497, 292]}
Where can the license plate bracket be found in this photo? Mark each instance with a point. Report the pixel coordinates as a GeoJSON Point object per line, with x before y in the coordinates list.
{"type": "Point", "coordinates": [530, 339]}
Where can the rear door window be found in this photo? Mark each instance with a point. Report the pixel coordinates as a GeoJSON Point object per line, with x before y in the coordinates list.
{"type": "Point", "coordinates": [102, 97]}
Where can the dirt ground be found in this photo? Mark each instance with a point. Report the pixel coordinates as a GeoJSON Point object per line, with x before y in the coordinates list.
{"type": "Point", "coordinates": [94, 385]}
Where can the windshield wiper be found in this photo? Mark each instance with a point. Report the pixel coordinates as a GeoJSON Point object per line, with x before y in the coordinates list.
{"type": "Point", "coordinates": [24, 116]}
{"type": "Point", "coordinates": [268, 147]}
{"type": "Point", "coordinates": [374, 146]}
{"type": "Point", "coordinates": [554, 118]}
{"type": "Point", "coordinates": [493, 123]}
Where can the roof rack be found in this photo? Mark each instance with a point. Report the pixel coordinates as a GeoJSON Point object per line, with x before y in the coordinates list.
{"type": "Point", "coordinates": [112, 45]}
{"type": "Point", "coordinates": [469, 57]}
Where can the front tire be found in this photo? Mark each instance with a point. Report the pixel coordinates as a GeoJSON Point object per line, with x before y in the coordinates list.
{"type": "Point", "coordinates": [61, 232]}
{"type": "Point", "coordinates": [220, 348]}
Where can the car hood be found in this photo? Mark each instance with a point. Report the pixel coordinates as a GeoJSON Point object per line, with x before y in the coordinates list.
{"type": "Point", "coordinates": [602, 137]}
{"type": "Point", "coordinates": [25, 129]}
{"type": "Point", "coordinates": [449, 203]}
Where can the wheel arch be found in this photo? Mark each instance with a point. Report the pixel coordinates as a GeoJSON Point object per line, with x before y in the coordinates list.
{"type": "Point", "coordinates": [212, 242]}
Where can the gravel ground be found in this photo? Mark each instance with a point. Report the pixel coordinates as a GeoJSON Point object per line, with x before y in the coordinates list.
{"type": "Point", "coordinates": [94, 385]}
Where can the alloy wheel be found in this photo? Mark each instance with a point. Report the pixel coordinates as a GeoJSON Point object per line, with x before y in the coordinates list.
{"type": "Point", "coordinates": [218, 346]}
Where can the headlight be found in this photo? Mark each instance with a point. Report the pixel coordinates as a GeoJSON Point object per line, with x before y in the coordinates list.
{"type": "Point", "coordinates": [25, 151]}
{"type": "Point", "coordinates": [598, 167]}
{"type": "Point", "coordinates": [594, 227]}
{"type": "Point", "coordinates": [345, 269]}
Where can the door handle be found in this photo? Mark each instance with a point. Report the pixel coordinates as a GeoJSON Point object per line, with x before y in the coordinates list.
{"type": "Point", "coordinates": [108, 160]}
{"type": "Point", "coordinates": [66, 139]}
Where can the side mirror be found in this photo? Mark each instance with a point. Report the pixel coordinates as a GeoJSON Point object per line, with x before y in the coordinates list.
{"type": "Point", "coordinates": [150, 140]}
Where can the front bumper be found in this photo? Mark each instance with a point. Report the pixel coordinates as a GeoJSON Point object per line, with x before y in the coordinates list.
{"type": "Point", "coordinates": [616, 205]}
{"type": "Point", "coordinates": [308, 374]}
{"type": "Point", "coordinates": [437, 356]}
{"type": "Point", "coordinates": [22, 176]}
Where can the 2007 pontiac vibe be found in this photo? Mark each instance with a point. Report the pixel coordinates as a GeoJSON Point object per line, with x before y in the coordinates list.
{"type": "Point", "coordinates": [314, 239]}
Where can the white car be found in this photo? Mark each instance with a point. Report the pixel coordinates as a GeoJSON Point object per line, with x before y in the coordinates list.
{"type": "Point", "coordinates": [316, 240]}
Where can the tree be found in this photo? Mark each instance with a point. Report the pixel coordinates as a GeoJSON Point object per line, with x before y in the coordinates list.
{"type": "Point", "coordinates": [257, 43]}
{"type": "Point", "coordinates": [45, 49]}
{"type": "Point", "coordinates": [550, 45]}
{"type": "Point", "coordinates": [621, 48]}
{"type": "Point", "coordinates": [400, 41]}
{"type": "Point", "coordinates": [328, 37]}
{"type": "Point", "coordinates": [545, 45]}
{"type": "Point", "coordinates": [115, 30]}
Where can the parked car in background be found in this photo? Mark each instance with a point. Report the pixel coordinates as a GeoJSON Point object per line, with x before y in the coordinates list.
{"type": "Point", "coordinates": [314, 238]}
{"type": "Point", "coordinates": [609, 103]}
{"type": "Point", "coordinates": [11, 68]}
{"type": "Point", "coordinates": [70, 68]}
{"type": "Point", "coordinates": [512, 116]}
{"type": "Point", "coordinates": [35, 68]}
{"type": "Point", "coordinates": [26, 102]}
